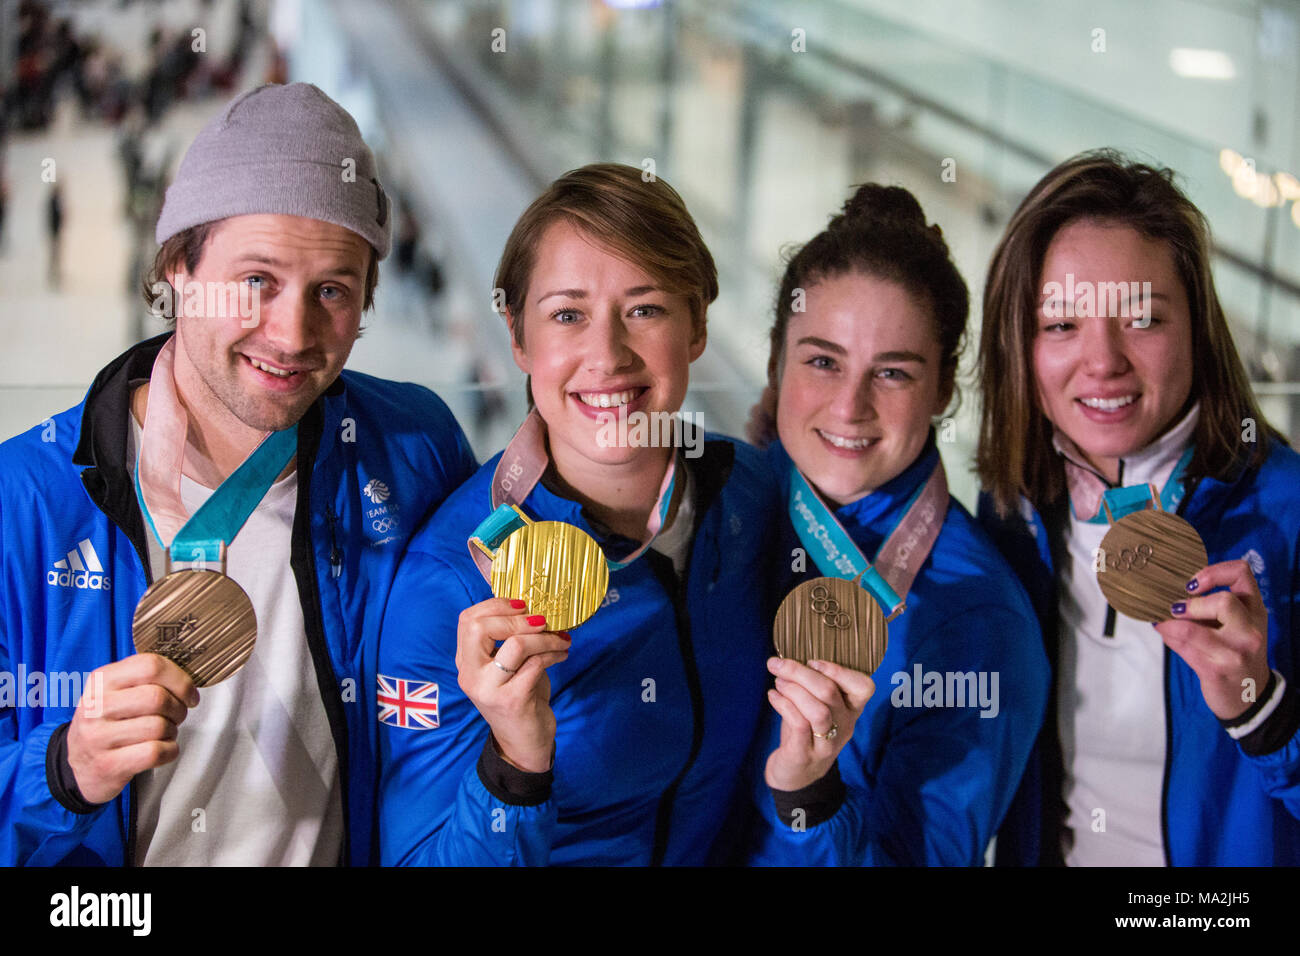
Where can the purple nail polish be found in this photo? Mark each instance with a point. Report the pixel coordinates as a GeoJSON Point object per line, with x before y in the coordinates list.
{"type": "Point", "coordinates": [1193, 584]}
{"type": "Point", "coordinates": [1179, 607]}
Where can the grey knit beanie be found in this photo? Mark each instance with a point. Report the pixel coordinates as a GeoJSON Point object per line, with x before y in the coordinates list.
{"type": "Point", "coordinates": [280, 149]}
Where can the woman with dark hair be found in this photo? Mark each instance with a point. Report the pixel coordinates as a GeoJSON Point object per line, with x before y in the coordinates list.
{"type": "Point", "coordinates": [870, 321]}
{"type": "Point", "coordinates": [1111, 384]}
{"type": "Point", "coordinates": [503, 739]}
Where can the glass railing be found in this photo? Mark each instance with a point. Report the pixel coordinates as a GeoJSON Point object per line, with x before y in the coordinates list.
{"type": "Point", "coordinates": [763, 142]}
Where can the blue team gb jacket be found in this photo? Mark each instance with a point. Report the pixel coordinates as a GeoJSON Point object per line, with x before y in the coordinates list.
{"type": "Point", "coordinates": [656, 705]}
{"type": "Point", "coordinates": [373, 458]}
{"type": "Point", "coordinates": [1224, 802]}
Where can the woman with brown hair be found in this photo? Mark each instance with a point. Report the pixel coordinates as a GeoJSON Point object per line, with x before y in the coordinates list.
{"type": "Point", "coordinates": [1110, 385]}
{"type": "Point", "coordinates": [870, 323]}
{"type": "Point", "coordinates": [503, 739]}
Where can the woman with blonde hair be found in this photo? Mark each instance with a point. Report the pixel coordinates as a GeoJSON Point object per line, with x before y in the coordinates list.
{"type": "Point", "coordinates": [1111, 385]}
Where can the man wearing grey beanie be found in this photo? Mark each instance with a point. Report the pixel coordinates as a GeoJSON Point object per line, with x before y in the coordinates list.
{"type": "Point", "coordinates": [270, 241]}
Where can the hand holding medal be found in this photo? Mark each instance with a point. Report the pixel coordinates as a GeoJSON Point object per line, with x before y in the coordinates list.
{"type": "Point", "coordinates": [819, 704]}
{"type": "Point", "coordinates": [1148, 556]}
{"type": "Point", "coordinates": [1152, 567]}
{"type": "Point", "coordinates": [1222, 636]}
{"type": "Point", "coordinates": [192, 628]}
{"type": "Point", "coordinates": [546, 577]}
{"type": "Point", "coordinates": [126, 722]}
{"type": "Point", "coordinates": [831, 632]}
{"type": "Point", "coordinates": [502, 653]}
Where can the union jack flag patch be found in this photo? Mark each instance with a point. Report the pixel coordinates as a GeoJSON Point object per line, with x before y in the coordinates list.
{"type": "Point", "coordinates": [408, 703]}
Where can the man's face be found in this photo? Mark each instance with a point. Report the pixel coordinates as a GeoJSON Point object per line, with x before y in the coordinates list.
{"type": "Point", "coordinates": [309, 278]}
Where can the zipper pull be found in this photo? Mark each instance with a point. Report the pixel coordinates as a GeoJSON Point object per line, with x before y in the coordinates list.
{"type": "Point", "coordinates": [336, 556]}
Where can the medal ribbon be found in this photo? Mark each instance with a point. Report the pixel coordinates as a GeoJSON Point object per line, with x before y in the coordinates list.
{"type": "Point", "coordinates": [890, 577]}
{"type": "Point", "coordinates": [1118, 502]}
{"type": "Point", "coordinates": [158, 475]}
{"type": "Point", "coordinates": [521, 467]}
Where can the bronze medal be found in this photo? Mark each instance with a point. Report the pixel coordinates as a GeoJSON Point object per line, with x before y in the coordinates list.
{"type": "Point", "coordinates": [557, 568]}
{"type": "Point", "coordinates": [201, 620]}
{"type": "Point", "coordinates": [831, 619]}
{"type": "Point", "coordinates": [1145, 562]}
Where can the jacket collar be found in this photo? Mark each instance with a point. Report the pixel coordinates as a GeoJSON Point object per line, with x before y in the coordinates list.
{"type": "Point", "coordinates": [870, 519]}
{"type": "Point", "coordinates": [1154, 463]}
{"type": "Point", "coordinates": [102, 436]}
{"type": "Point", "coordinates": [1202, 500]}
{"type": "Point", "coordinates": [101, 441]}
{"type": "Point", "coordinates": [708, 474]}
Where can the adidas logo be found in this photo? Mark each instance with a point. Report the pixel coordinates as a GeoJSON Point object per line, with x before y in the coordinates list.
{"type": "Point", "coordinates": [80, 569]}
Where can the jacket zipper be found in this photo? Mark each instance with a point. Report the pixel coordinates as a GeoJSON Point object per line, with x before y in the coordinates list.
{"type": "Point", "coordinates": [133, 791]}
{"type": "Point", "coordinates": [678, 594]}
{"type": "Point", "coordinates": [302, 562]}
{"type": "Point", "coordinates": [1109, 629]}
{"type": "Point", "coordinates": [336, 555]}
{"type": "Point", "coordinates": [1169, 723]}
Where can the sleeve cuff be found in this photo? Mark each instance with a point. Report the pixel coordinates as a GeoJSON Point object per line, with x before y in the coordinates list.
{"type": "Point", "coordinates": [815, 803]}
{"type": "Point", "coordinates": [508, 783]}
{"type": "Point", "coordinates": [1270, 722]}
{"type": "Point", "coordinates": [60, 778]}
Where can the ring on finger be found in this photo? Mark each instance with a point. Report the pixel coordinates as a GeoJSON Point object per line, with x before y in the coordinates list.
{"type": "Point", "coordinates": [508, 670]}
{"type": "Point", "coordinates": [829, 735]}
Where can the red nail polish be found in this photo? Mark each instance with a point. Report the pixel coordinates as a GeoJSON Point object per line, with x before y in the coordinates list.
{"type": "Point", "coordinates": [536, 620]}
{"type": "Point", "coordinates": [564, 634]}
{"type": "Point", "coordinates": [517, 604]}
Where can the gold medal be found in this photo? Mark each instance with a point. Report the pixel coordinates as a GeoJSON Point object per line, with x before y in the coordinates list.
{"type": "Point", "coordinates": [201, 620]}
{"type": "Point", "coordinates": [1145, 562]}
{"type": "Point", "coordinates": [557, 568]}
{"type": "Point", "coordinates": [831, 619]}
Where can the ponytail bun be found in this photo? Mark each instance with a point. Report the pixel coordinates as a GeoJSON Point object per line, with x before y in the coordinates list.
{"type": "Point", "coordinates": [880, 232]}
{"type": "Point", "coordinates": [874, 203]}
{"type": "Point", "coordinates": [873, 206]}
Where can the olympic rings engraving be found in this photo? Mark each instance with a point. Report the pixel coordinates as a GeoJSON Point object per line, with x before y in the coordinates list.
{"type": "Point", "coordinates": [833, 616]}
{"type": "Point", "coordinates": [1132, 560]}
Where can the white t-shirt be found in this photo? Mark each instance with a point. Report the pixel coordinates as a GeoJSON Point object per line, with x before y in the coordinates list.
{"type": "Point", "coordinates": [1111, 716]}
{"type": "Point", "coordinates": [257, 781]}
